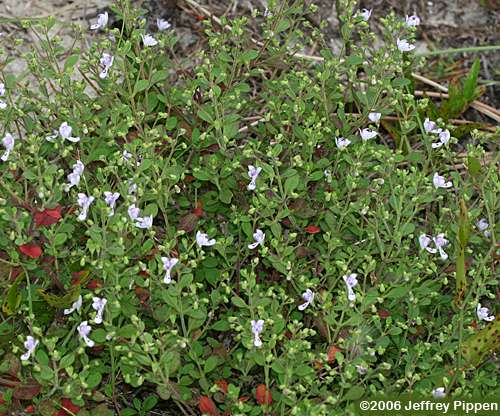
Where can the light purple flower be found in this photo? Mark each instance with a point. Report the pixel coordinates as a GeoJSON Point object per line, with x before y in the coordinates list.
{"type": "Point", "coordinates": [84, 330]}
{"type": "Point", "coordinates": [98, 304]}
{"type": "Point", "coordinates": [30, 345]}
{"type": "Point", "coordinates": [367, 134]}
{"type": "Point", "coordinates": [84, 202]}
{"type": "Point", "coordinates": [361, 369]}
{"type": "Point", "coordinates": [404, 45]}
{"type": "Point", "coordinates": [149, 40]}
{"type": "Point", "coordinates": [75, 307]}
{"type": "Point", "coordinates": [144, 222]}
{"type": "Point", "coordinates": [111, 199]}
{"type": "Point", "coordinates": [444, 138]}
{"type": "Point", "coordinates": [253, 174]}
{"type": "Point", "coordinates": [341, 142]}
{"type": "Point", "coordinates": [374, 117]}
{"type": "Point", "coordinates": [430, 126]}
{"type": "Point", "coordinates": [3, 104]}
{"type": "Point", "coordinates": [257, 327]}
{"type": "Point", "coordinates": [168, 265]}
{"type": "Point", "coordinates": [126, 155]}
{"type": "Point", "coordinates": [258, 236]}
{"type": "Point", "coordinates": [483, 313]}
{"type": "Point", "coordinates": [106, 63]}
{"type": "Point", "coordinates": [351, 281]}
{"type": "Point", "coordinates": [440, 182]}
{"type": "Point", "coordinates": [202, 239]}
{"type": "Point", "coordinates": [482, 225]}
{"type": "Point", "coordinates": [65, 131]}
{"type": "Point", "coordinates": [439, 393]}
{"type": "Point", "coordinates": [365, 14]}
{"type": "Point", "coordinates": [439, 241]}
{"type": "Point", "coordinates": [8, 142]}
{"type": "Point", "coordinates": [75, 176]}
{"type": "Point", "coordinates": [102, 21]}
{"type": "Point", "coordinates": [412, 21]}
{"type": "Point", "coordinates": [162, 24]}
{"type": "Point", "coordinates": [308, 297]}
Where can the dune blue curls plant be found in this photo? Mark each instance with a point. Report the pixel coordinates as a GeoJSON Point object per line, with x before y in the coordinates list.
{"type": "Point", "coordinates": [240, 231]}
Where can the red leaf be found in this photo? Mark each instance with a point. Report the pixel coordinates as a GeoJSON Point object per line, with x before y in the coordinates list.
{"type": "Point", "coordinates": [30, 409]}
{"type": "Point", "coordinates": [26, 391]}
{"type": "Point", "coordinates": [207, 406]}
{"type": "Point", "coordinates": [198, 211]}
{"type": "Point", "coordinates": [31, 250]}
{"type": "Point", "coordinates": [332, 352]}
{"type": "Point", "coordinates": [68, 405]}
{"type": "Point", "coordinates": [312, 229]}
{"type": "Point", "coordinates": [222, 384]}
{"type": "Point", "coordinates": [383, 314]}
{"type": "Point", "coordinates": [263, 395]}
{"type": "Point", "coordinates": [48, 217]}
{"type": "Point", "coordinates": [94, 284]}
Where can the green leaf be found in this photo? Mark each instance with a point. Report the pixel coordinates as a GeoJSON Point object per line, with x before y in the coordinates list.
{"type": "Point", "coordinates": [469, 90]}
{"type": "Point", "coordinates": [159, 76]}
{"type": "Point", "coordinates": [237, 301]}
{"type": "Point", "coordinates": [354, 393]}
{"type": "Point", "coordinates": [473, 165]}
{"type": "Point", "coordinates": [205, 114]}
{"type": "Point", "coordinates": [93, 380]}
{"type": "Point", "coordinates": [291, 183]}
{"type": "Point", "coordinates": [210, 364]}
{"type": "Point", "coordinates": [71, 62]}
{"type": "Point", "coordinates": [476, 348]}
{"type": "Point", "coordinates": [141, 85]}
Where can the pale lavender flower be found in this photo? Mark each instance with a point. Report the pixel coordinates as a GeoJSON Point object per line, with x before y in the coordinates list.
{"type": "Point", "coordinates": [202, 239]}
{"type": "Point", "coordinates": [111, 199]}
{"type": "Point", "coordinates": [144, 222]}
{"type": "Point", "coordinates": [65, 131]}
{"type": "Point", "coordinates": [367, 134]}
{"type": "Point", "coordinates": [483, 313]}
{"type": "Point", "coordinates": [84, 202]}
{"type": "Point", "coordinates": [162, 24]}
{"type": "Point", "coordinates": [75, 307]}
{"type": "Point", "coordinates": [267, 13]}
{"type": "Point", "coordinates": [133, 212]}
{"type": "Point", "coordinates": [482, 225]}
{"type": "Point", "coordinates": [404, 45]}
{"type": "Point", "coordinates": [439, 393]}
{"type": "Point", "coordinates": [444, 138]}
{"type": "Point", "coordinates": [361, 369]}
{"type": "Point", "coordinates": [3, 104]}
{"type": "Point", "coordinates": [168, 265]}
{"type": "Point", "coordinates": [30, 345]}
{"type": "Point", "coordinates": [253, 174]}
{"type": "Point", "coordinates": [425, 242]}
{"type": "Point", "coordinates": [127, 155]}
{"type": "Point", "coordinates": [106, 63]}
{"type": "Point", "coordinates": [102, 21]}
{"type": "Point", "coordinates": [75, 176]}
{"type": "Point", "coordinates": [374, 117]}
{"type": "Point", "coordinates": [149, 40]}
{"type": "Point", "coordinates": [258, 236]}
{"type": "Point", "coordinates": [412, 21]}
{"type": "Point", "coordinates": [84, 330]}
{"type": "Point", "coordinates": [98, 304]}
{"type": "Point", "coordinates": [440, 182]}
{"type": "Point", "coordinates": [7, 142]}
{"type": "Point", "coordinates": [430, 126]}
{"type": "Point", "coordinates": [341, 142]}
{"type": "Point", "coordinates": [351, 281]}
{"type": "Point", "coordinates": [441, 242]}
{"type": "Point", "coordinates": [257, 327]}
{"type": "Point", "coordinates": [365, 14]}
{"type": "Point", "coordinates": [308, 297]}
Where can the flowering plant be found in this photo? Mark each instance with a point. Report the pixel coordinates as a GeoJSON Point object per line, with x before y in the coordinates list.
{"type": "Point", "coordinates": [258, 234]}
